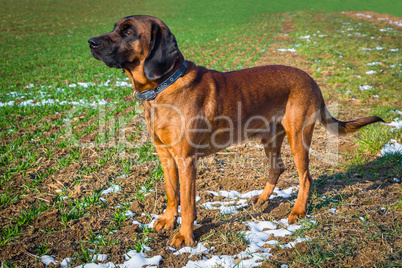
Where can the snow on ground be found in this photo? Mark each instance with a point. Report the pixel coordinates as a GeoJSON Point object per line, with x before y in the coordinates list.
{"type": "Point", "coordinates": [256, 252]}
{"type": "Point", "coordinates": [198, 250]}
{"type": "Point", "coordinates": [393, 147]}
{"type": "Point", "coordinates": [365, 87]}
{"type": "Point", "coordinates": [396, 124]}
{"type": "Point", "coordinates": [253, 256]}
{"type": "Point", "coordinates": [113, 189]}
{"type": "Point", "coordinates": [41, 98]}
{"type": "Point", "coordinates": [373, 63]}
{"type": "Point", "coordinates": [286, 50]}
{"type": "Point", "coordinates": [238, 200]}
{"type": "Point", "coordinates": [133, 259]}
{"type": "Point", "coordinates": [397, 23]}
{"type": "Point", "coordinates": [397, 111]}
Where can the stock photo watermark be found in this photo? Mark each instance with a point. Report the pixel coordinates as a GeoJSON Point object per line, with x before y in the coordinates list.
{"type": "Point", "coordinates": [202, 133]}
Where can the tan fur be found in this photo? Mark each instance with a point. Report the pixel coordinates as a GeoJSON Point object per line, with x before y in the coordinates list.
{"type": "Point", "coordinates": [205, 111]}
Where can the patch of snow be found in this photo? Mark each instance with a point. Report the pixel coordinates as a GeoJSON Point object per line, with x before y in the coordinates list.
{"type": "Point", "coordinates": [393, 147]}
{"type": "Point", "coordinates": [135, 259]}
{"type": "Point", "coordinates": [397, 124]}
{"type": "Point", "coordinates": [260, 232]}
{"type": "Point", "coordinates": [198, 250]}
{"type": "Point", "coordinates": [179, 219]}
{"type": "Point", "coordinates": [223, 261]}
{"type": "Point", "coordinates": [137, 222]}
{"type": "Point", "coordinates": [333, 211]}
{"type": "Point", "coordinates": [238, 200]}
{"type": "Point", "coordinates": [129, 213]}
{"type": "Point", "coordinates": [362, 219]}
{"type": "Point", "coordinates": [99, 102]}
{"type": "Point", "coordinates": [151, 224]}
{"type": "Point", "coordinates": [14, 94]}
{"type": "Point", "coordinates": [99, 257]}
{"type": "Point", "coordinates": [122, 84]}
{"type": "Point", "coordinates": [54, 102]}
{"type": "Point", "coordinates": [94, 265]}
{"type": "Point", "coordinates": [256, 252]}
{"type": "Point", "coordinates": [363, 15]}
{"type": "Point", "coordinates": [287, 50]}
{"type": "Point", "coordinates": [235, 194]}
{"type": "Point", "coordinates": [114, 189]}
{"type": "Point", "coordinates": [371, 72]}
{"type": "Point", "coordinates": [29, 86]}
{"type": "Point", "coordinates": [47, 260]}
{"type": "Point", "coordinates": [365, 87]}
{"type": "Point", "coordinates": [226, 207]}
{"type": "Point", "coordinates": [373, 63]}
{"type": "Point", "coordinates": [85, 85]}
{"type": "Point", "coordinates": [213, 193]}
{"type": "Point", "coordinates": [293, 243]}
{"type": "Point", "coordinates": [66, 263]}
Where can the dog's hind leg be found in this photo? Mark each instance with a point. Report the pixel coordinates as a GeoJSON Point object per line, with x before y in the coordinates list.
{"type": "Point", "coordinates": [299, 133]}
{"type": "Point", "coordinates": [272, 147]}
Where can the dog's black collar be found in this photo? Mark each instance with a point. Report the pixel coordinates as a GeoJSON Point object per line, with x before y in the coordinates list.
{"type": "Point", "coordinates": [151, 94]}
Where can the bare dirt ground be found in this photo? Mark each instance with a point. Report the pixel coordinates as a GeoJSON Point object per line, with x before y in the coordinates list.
{"type": "Point", "coordinates": [376, 18]}
{"type": "Point", "coordinates": [242, 168]}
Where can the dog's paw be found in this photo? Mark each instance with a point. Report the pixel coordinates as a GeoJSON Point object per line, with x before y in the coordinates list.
{"type": "Point", "coordinates": [181, 238]}
{"type": "Point", "coordinates": [164, 222]}
{"type": "Point", "coordinates": [294, 215]}
{"type": "Point", "coordinates": [256, 200]}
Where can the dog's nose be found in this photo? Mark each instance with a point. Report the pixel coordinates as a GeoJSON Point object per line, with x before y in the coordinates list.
{"type": "Point", "coordinates": [94, 42]}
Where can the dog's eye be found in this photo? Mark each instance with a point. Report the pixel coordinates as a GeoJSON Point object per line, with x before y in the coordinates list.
{"type": "Point", "coordinates": [128, 32]}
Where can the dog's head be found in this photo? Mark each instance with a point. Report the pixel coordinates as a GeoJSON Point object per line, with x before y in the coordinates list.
{"type": "Point", "coordinates": [138, 41]}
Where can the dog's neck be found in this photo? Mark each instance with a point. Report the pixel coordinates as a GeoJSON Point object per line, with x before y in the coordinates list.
{"type": "Point", "coordinates": [141, 83]}
{"type": "Point", "coordinates": [138, 80]}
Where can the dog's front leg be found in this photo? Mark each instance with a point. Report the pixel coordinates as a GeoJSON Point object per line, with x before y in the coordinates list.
{"type": "Point", "coordinates": [168, 219]}
{"type": "Point", "coordinates": [187, 173]}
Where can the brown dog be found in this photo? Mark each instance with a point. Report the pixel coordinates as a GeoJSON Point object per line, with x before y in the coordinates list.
{"type": "Point", "coordinates": [195, 112]}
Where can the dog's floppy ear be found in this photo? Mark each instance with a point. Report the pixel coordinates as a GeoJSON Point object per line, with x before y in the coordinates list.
{"type": "Point", "coordinates": [163, 53]}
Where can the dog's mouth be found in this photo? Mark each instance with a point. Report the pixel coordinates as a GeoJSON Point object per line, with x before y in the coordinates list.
{"type": "Point", "coordinates": [107, 60]}
{"type": "Point", "coordinates": [95, 55]}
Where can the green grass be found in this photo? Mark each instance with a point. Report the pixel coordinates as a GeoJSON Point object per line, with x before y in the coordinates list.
{"type": "Point", "coordinates": [29, 214]}
{"type": "Point", "coordinates": [45, 53]}
{"type": "Point", "coordinates": [348, 64]}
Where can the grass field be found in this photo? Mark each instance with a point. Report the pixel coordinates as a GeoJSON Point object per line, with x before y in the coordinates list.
{"type": "Point", "coordinates": [79, 176]}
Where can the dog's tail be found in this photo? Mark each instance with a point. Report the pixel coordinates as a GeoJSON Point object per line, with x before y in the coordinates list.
{"type": "Point", "coordinates": [344, 127]}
